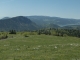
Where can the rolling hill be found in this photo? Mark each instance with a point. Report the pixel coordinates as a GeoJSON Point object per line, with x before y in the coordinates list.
{"type": "Point", "coordinates": [46, 20]}
{"type": "Point", "coordinates": [72, 27]}
{"type": "Point", "coordinates": [36, 22]}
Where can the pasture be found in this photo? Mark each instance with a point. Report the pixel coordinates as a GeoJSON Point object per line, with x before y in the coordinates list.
{"type": "Point", "coordinates": [39, 47]}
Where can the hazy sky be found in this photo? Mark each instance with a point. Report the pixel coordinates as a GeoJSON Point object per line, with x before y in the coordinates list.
{"type": "Point", "coordinates": [57, 8]}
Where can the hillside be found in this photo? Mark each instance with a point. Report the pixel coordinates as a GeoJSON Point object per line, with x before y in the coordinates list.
{"type": "Point", "coordinates": [36, 22]}
{"type": "Point", "coordinates": [43, 20]}
{"type": "Point", "coordinates": [17, 23]}
{"type": "Point", "coordinates": [71, 27]}
{"type": "Point", "coordinates": [52, 26]}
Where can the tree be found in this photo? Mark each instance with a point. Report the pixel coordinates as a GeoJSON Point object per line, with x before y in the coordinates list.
{"type": "Point", "coordinates": [12, 32]}
{"type": "Point", "coordinates": [39, 32]}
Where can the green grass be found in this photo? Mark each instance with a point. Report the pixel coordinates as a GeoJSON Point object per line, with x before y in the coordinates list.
{"type": "Point", "coordinates": [40, 47]}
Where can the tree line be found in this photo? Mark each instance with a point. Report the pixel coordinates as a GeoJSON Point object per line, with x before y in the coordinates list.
{"type": "Point", "coordinates": [60, 32]}
{"type": "Point", "coordinates": [50, 31]}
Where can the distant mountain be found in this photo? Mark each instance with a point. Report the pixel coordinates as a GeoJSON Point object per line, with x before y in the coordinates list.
{"type": "Point", "coordinates": [46, 20]}
{"type": "Point", "coordinates": [36, 22]}
{"type": "Point", "coordinates": [5, 18]}
{"type": "Point", "coordinates": [17, 23]}
{"type": "Point", "coordinates": [71, 27]}
{"type": "Point", "coordinates": [52, 26]}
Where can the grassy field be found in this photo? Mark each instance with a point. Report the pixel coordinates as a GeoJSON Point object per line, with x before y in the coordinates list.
{"type": "Point", "coordinates": [40, 47]}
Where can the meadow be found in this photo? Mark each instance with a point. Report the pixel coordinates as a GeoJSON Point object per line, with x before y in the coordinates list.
{"type": "Point", "coordinates": [39, 47]}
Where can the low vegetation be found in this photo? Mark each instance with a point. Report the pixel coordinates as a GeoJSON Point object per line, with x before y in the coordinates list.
{"type": "Point", "coordinates": [30, 45]}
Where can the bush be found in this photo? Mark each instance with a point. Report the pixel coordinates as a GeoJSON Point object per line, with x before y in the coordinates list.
{"type": "Point", "coordinates": [32, 33]}
{"type": "Point", "coordinates": [3, 37]}
{"type": "Point", "coordinates": [65, 35]}
{"type": "Point", "coordinates": [25, 35]}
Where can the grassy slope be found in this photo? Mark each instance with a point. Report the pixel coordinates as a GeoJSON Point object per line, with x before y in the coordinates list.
{"type": "Point", "coordinates": [41, 47]}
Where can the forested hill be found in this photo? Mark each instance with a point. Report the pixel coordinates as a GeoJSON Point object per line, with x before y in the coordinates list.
{"type": "Point", "coordinates": [37, 22]}
{"type": "Point", "coordinates": [46, 20]}
{"type": "Point", "coordinates": [17, 23]}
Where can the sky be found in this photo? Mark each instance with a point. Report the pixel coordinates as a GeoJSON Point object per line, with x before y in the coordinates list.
{"type": "Point", "coordinates": [53, 8]}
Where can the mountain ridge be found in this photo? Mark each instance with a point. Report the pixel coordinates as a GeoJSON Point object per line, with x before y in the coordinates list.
{"type": "Point", "coordinates": [54, 20]}
{"type": "Point", "coordinates": [36, 22]}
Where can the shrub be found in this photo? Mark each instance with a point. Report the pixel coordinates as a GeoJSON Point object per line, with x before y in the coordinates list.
{"type": "Point", "coordinates": [25, 35]}
{"type": "Point", "coordinates": [3, 37]}
{"type": "Point", "coordinates": [65, 35]}
{"type": "Point", "coordinates": [32, 33]}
